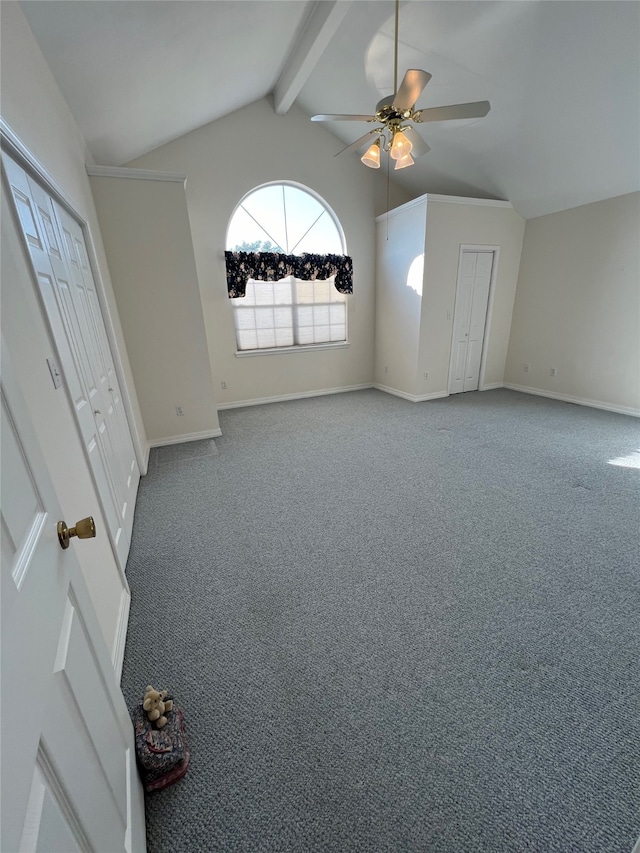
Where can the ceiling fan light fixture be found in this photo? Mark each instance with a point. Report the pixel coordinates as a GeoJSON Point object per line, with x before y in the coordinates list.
{"type": "Point", "coordinates": [403, 162]}
{"type": "Point", "coordinates": [400, 146]}
{"type": "Point", "coordinates": [371, 156]}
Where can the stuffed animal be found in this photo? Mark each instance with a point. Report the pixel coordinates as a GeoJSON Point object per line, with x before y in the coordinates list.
{"type": "Point", "coordinates": [156, 704]}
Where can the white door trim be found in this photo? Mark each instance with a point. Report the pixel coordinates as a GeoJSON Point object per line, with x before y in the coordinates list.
{"type": "Point", "coordinates": [15, 148]}
{"type": "Point", "coordinates": [478, 247]}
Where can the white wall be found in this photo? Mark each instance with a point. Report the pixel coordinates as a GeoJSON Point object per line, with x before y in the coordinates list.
{"type": "Point", "coordinates": [400, 240]}
{"type": "Point", "coordinates": [147, 238]}
{"type": "Point", "coordinates": [33, 107]}
{"type": "Point", "coordinates": [577, 306]}
{"type": "Point", "coordinates": [418, 255]}
{"type": "Point", "coordinates": [451, 224]}
{"type": "Point", "coordinates": [223, 161]}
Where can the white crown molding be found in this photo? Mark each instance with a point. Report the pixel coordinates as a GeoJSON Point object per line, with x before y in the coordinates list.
{"type": "Point", "coordinates": [133, 174]}
{"type": "Point", "coordinates": [483, 202]}
{"type": "Point", "coordinates": [424, 200]}
{"type": "Point", "coordinates": [15, 148]}
{"type": "Point", "coordinates": [421, 201]}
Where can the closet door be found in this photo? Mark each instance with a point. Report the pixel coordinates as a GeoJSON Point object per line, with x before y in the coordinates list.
{"type": "Point", "coordinates": [69, 780]}
{"type": "Point", "coordinates": [58, 255]}
{"type": "Point", "coordinates": [472, 298]}
{"type": "Point", "coordinates": [114, 427]}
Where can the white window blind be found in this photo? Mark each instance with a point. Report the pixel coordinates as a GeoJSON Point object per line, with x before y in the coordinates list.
{"type": "Point", "coordinates": [288, 313]}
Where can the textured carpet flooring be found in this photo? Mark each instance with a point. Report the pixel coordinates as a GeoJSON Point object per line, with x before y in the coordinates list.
{"type": "Point", "coordinates": [395, 627]}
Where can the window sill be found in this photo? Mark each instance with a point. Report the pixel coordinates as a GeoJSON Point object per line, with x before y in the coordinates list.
{"type": "Point", "coordinates": [249, 353]}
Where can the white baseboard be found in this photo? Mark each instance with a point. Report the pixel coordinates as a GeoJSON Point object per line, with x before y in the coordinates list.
{"type": "Point", "coordinates": [413, 398]}
{"type": "Point", "coordinates": [185, 436]}
{"type": "Point", "coordinates": [120, 640]}
{"type": "Point", "coordinates": [260, 401]}
{"type": "Point", "coordinates": [491, 386]}
{"type": "Point", "coordinates": [145, 467]}
{"type": "Point", "coordinates": [594, 404]}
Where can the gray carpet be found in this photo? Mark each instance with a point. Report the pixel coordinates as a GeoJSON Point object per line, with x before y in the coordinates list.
{"type": "Point", "coordinates": [396, 627]}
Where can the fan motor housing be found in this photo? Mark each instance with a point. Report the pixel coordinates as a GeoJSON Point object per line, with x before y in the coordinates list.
{"type": "Point", "coordinates": [388, 114]}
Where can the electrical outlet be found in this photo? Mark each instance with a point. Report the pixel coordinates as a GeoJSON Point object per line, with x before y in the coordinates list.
{"type": "Point", "coordinates": [553, 372]}
{"type": "Point", "coordinates": [179, 411]}
{"type": "Point", "coordinates": [223, 385]}
{"type": "Point", "coordinates": [526, 368]}
{"type": "Point", "coordinates": [426, 375]}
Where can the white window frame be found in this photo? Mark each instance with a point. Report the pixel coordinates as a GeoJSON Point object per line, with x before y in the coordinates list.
{"type": "Point", "coordinates": [237, 303]}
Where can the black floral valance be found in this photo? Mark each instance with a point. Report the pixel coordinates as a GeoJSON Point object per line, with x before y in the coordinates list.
{"type": "Point", "coordinates": [272, 266]}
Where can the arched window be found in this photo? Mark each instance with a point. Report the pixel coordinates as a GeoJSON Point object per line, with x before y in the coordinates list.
{"type": "Point", "coordinates": [288, 219]}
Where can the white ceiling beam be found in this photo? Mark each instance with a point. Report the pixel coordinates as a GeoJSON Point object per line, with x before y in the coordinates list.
{"type": "Point", "coordinates": [322, 25]}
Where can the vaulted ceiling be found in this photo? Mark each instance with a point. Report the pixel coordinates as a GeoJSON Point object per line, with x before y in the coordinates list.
{"type": "Point", "coordinates": [563, 79]}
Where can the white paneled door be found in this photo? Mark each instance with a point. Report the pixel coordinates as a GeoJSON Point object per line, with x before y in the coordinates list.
{"type": "Point", "coordinates": [472, 298]}
{"type": "Point", "coordinates": [69, 780]}
{"type": "Point", "coordinates": [59, 257]}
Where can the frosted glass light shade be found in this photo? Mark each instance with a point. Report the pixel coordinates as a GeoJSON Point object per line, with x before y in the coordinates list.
{"type": "Point", "coordinates": [400, 146]}
{"type": "Point", "coordinates": [405, 161]}
{"type": "Point", "coordinates": [371, 157]}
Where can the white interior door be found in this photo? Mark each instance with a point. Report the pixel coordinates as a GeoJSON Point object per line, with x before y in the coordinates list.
{"type": "Point", "coordinates": [113, 426]}
{"type": "Point", "coordinates": [58, 254]}
{"type": "Point", "coordinates": [69, 780]}
{"type": "Point", "coordinates": [472, 299]}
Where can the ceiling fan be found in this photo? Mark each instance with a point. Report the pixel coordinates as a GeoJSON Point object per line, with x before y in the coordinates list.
{"type": "Point", "coordinates": [393, 112]}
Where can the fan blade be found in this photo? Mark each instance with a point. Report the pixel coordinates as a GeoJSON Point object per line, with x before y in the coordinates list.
{"type": "Point", "coordinates": [419, 146]}
{"type": "Point", "coordinates": [357, 143]}
{"type": "Point", "coordinates": [342, 118]}
{"type": "Point", "coordinates": [478, 109]}
{"type": "Point", "coordinates": [411, 88]}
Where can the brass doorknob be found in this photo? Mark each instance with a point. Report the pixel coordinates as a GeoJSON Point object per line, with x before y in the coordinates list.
{"type": "Point", "coordinates": [84, 529]}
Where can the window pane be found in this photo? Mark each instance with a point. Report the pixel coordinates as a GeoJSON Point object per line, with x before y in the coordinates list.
{"type": "Point", "coordinates": [266, 338]}
{"type": "Point", "coordinates": [321, 315]}
{"type": "Point", "coordinates": [264, 293]}
{"type": "Point", "coordinates": [337, 314]}
{"type": "Point", "coordinates": [304, 315]}
{"type": "Point", "coordinates": [245, 234]}
{"type": "Point", "coordinates": [289, 311]}
{"type": "Point", "coordinates": [321, 291]}
{"type": "Point", "coordinates": [323, 238]}
{"type": "Point", "coordinates": [245, 318]}
{"type": "Point", "coordinates": [303, 211]}
{"type": "Point", "coordinates": [304, 291]}
{"type": "Point", "coordinates": [319, 323]}
{"type": "Point", "coordinates": [247, 339]}
{"type": "Point", "coordinates": [284, 337]}
{"type": "Point", "coordinates": [282, 291]}
{"type": "Point", "coordinates": [266, 207]}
